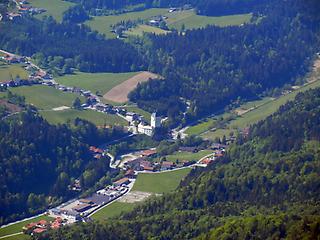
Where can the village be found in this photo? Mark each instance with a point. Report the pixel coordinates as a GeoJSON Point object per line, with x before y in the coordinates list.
{"type": "Point", "coordinates": [81, 209]}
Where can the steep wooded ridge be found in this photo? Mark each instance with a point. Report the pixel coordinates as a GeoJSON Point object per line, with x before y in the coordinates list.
{"type": "Point", "coordinates": [214, 66]}
{"type": "Point", "coordinates": [39, 161]}
{"type": "Point", "coordinates": [260, 190]}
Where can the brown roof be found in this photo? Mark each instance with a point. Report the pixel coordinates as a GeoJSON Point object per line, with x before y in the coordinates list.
{"type": "Point", "coordinates": [84, 200]}
{"type": "Point", "coordinates": [39, 230]}
{"type": "Point", "coordinates": [122, 181]}
{"type": "Point", "coordinates": [148, 168]}
{"type": "Point", "coordinates": [148, 153]}
{"type": "Point", "coordinates": [130, 172]}
{"type": "Point", "coordinates": [42, 222]}
{"type": "Point", "coordinates": [82, 207]}
{"type": "Point", "coordinates": [167, 164]}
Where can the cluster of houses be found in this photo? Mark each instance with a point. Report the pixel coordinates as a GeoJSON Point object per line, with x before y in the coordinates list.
{"type": "Point", "coordinates": [218, 152]}
{"type": "Point", "coordinates": [41, 226]}
{"type": "Point", "coordinates": [23, 8]}
{"type": "Point", "coordinates": [143, 164]}
{"type": "Point", "coordinates": [139, 125]}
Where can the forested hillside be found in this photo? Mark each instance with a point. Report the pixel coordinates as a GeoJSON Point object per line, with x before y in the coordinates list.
{"type": "Point", "coordinates": [214, 66]}
{"type": "Point", "coordinates": [39, 161]}
{"type": "Point", "coordinates": [66, 46]}
{"type": "Point", "coordinates": [257, 191]}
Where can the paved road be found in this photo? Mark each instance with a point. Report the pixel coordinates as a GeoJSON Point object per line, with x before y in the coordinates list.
{"type": "Point", "coordinates": [11, 235]}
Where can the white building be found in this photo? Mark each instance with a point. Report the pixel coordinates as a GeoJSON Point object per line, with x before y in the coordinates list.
{"type": "Point", "coordinates": [155, 121]}
{"type": "Point", "coordinates": [145, 129]}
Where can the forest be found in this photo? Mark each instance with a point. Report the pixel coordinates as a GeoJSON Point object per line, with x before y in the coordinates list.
{"type": "Point", "coordinates": [257, 191]}
{"type": "Point", "coordinates": [39, 161]}
{"type": "Point", "coordinates": [212, 67]}
{"type": "Point", "coordinates": [65, 46]}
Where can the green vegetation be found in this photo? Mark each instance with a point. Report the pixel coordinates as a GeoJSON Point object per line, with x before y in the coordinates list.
{"type": "Point", "coordinates": [101, 82]}
{"type": "Point", "coordinates": [44, 97]}
{"type": "Point", "coordinates": [191, 20]}
{"type": "Point", "coordinates": [159, 182]}
{"type": "Point", "coordinates": [141, 29]}
{"type": "Point", "coordinates": [265, 107]}
{"type": "Point", "coordinates": [187, 156]}
{"type": "Point", "coordinates": [113, 210]}
{"type": "Point", "coordinates": [8, 72]}
{"type": "Point", "coordinates": [102, 24]}
{"type": "Point", "coordinates": [16, 228]}
{"type": "Point", "coordinates": [18, 237]}
{"type": "Point", "coordinates": [97, 118]}
{"type": "Point", "coordinates": [55, 8]}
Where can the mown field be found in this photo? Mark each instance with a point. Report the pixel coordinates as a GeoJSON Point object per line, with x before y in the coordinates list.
{"type": "Point", "coordinates": [159, 182]}
{"type": "Point", "coordinates": [261, 112]}
{"type": "Point", "coordinates": [187, 156]}
{"type": "Point", "coordinates": [16, 228]}
{"type": "Point", "coordinates": [8, 72]}
{"type": "Point", "coordinates": [141, 29]}
{"type": "Point", "coordinates": [102, 82]}
{"type": "Point", "coordinates": [55, 8]}
{"type": "Point", "coordinates": [102, 24]}
{"type": "Point", "coordinates": [113, 210]}
{"type": "Point", "coordinates": [97, 118]}
{"type": "Point", "coordinates": [191, 20]}
{"type": "Point", "coordinates": [44, 97]}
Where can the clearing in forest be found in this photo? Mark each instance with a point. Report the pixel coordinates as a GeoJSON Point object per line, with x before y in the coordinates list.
{"type": "Point", "coordinates": [119, 93]}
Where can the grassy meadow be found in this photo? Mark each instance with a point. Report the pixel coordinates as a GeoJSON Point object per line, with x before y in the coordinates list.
{"type": "Point", "coordinates": [44, 97]}
{"type": "Point", "coordinates": [160, 182]}
{"type": "Point", "coordinates": [102, 24]}
{"type": "Point", "coordinates": [16, 228]}
{"type": "Point", "coordinates": [263, 110]}
{"type": "Point", "coordinates": [11, 71]}
{"type": "Point", "coordinates": [97, 118]}
{"type": "Point", "coordinates": [141, 29]}
{"type": "Point", "coordinates": [55, 8]}
{"type": "Point", "coordinates": [191, 20]}
{"type": "Point", "coordinates": [113, 210]}
{"type": "Point", "coordinates": [187, 156]}
{"type": "Point", "coordinates": [102, 82]}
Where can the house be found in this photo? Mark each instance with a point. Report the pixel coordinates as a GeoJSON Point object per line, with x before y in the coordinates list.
{"type": "Point", "coordinates": [145, 129]}
{"type": "Point", "coordinates": [149, 153]}
{"type": "Point", "coordinates": [149, 168]}
{"type": "Point", "coordinates": [27, 229]}
{"type": "Point", "coordinates": [134, 164]}
{"type": "Point", "coordinates": [71, 216]}
{"type": "Point", "coordinates": [130, 116]}
{"type": "Point", "coordinates": [167, 165]}
{"type": "Point", "coordinates": [13, 16]}
{"type": "Point", "coordinates": [42, 224]}
{"type": "Point", "coordinates": [39, 230]}
{"type": "Point", "coordinates": [96, 150]}
{"type": "Point", "coordinates": [121, 182]}
{"type": "Point", "coordinates": [130, 174]}
{"type": "Point", "coordinates": [87, 201]}
{"type": "Point", "coordinates": [172, 10]}
{"type": "Point", "coordinates": [82, 207]}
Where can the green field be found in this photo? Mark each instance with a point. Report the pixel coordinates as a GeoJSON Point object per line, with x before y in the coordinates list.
{"type": "Point", "coordinates": [260, 113]}
{"type": "Point", "coordinates": [191, 20]}
{"type": "Point", "coordinates": [44, 97]}
{"type": "Point", "coordinates": [55, 8]}
{"type": "Point", "coordinates": [141, 29]}
{"type": "Point", "coordinates": [99, 119]}
{"type": "Point", "coordinates": [18, 237]}
{"type": "Point", "coordinates": [16, 228]}
{"type": "Point", "coordinates": [159, 182]}
{"type": "Point", "coordinates": [8, 72]}
{"type": "Point", "coordinates": [113, 210]}
{"type": "Point", "coordinates": [187, 156]}
{"type": "Point", "coordinates": [102, 82]}
{"type": "Point", "coordinates": [102, 24]}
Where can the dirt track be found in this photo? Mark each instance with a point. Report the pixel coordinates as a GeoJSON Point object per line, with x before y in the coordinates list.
{"type": "Point", "coordinates": [120, 92]}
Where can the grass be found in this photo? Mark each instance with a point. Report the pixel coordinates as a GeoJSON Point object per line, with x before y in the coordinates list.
{"type": "Point", "coordinates": [18, 237]}
{"type": "Point", "coordinates": [7, 72]}
{"type": "Point", "coordinates": [191, 20]}
{"type": "Point", "coordinates": [187, 156]}
{"type": "Point", "coordinates": [159, 182]}
{"type": "Point", "coordinates": [113, 210]}
{"type": "Point", "coordinates": [264, 110]}
{"type": "Point", "coordinates": [102, 82]}
{"type": "Point", "coordinates": [99, 119]}
{"type": "Point", "coordinates": [146, 115]}
{"type": "Point", "coordinates": [102, 24]}
{"type": "Point", "coordinates": [55, 8]}
{"type": "Point", "coordinates": [15, 228]}
{"type": "Point", "coordinates": [141, 29]}
{"type": "Point", "coordinates": [44, 97]}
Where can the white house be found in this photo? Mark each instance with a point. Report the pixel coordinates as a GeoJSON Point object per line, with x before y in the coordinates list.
{"type": "Point", "coordinates": [155, 121]}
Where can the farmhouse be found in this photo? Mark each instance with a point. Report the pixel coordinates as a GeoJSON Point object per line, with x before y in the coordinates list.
{"type": "Point", "coordinates": [167, 165]}
{"type": "Point", "coordinates": [82, 207]}
{"type": "Point", "coordinates": [149, 153]}
{"type": "Point", "coordinates": [145, 129]}
{"type": "Point", "coordinates": [130, 174]}
{"type": "Point", "coordinates": [122, 181]}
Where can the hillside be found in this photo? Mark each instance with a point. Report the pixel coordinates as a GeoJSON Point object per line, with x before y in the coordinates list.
{"type": "Point", "coordinates": [261, 189]}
